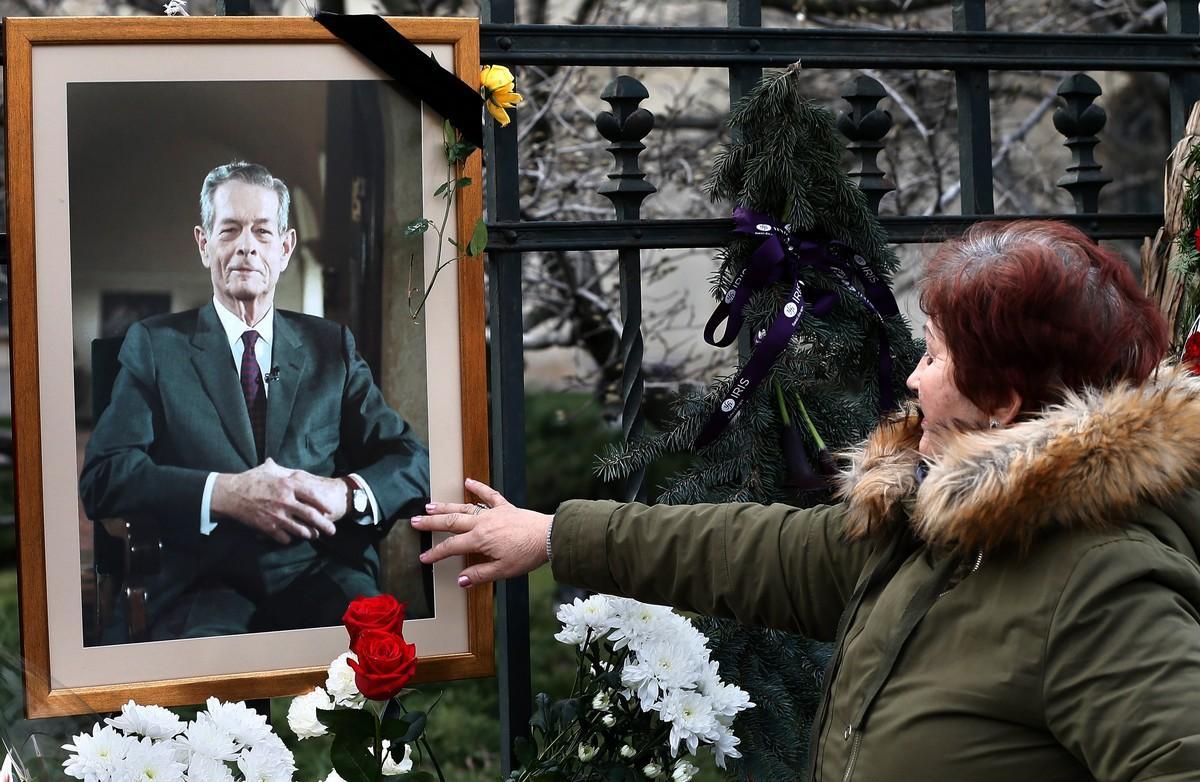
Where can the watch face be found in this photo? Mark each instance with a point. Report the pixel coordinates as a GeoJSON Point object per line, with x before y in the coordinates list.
{"type": "Point", "coordinates": [360, 500]}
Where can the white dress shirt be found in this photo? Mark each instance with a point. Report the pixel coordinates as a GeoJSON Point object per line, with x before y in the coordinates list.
{"type": "Point", "coordinates": [265, 326]}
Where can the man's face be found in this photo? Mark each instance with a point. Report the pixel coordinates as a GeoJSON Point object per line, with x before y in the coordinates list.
{"type": "Point", "coordinates": [246, 252]}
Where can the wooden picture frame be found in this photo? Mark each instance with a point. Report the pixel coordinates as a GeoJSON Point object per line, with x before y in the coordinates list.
{"type": "Point", "coordinates": [47, 59]}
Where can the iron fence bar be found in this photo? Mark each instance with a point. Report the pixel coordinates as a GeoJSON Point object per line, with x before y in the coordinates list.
{"type": "Point", "coordinates": [777, 47]}
{"type": "Point", "coordinates": [1183, 19]}
{"type": "Point", "coordinates": [624, 127]}
{"type": "Point", "coordinates": [506, 408]}
{"type": "Point", "coordinates": [974, 119]}
{"type": "Point", "coordinates": [742, 78]}
{"type": "Point", "coordinates": [699, 233]}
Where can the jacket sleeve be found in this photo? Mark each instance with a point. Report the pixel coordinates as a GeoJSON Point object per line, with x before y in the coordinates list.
{"type": "Point", "coordinates": [379, 445]}
{"type": "Point", "coordinates": [772, 566]}
{"type": "Point", "coordinates": [119, 475]}
{"type": "Point", "coordinates": [1121, 681]}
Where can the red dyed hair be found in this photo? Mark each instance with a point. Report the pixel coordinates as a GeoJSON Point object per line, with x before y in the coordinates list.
{"type": "Point", "coordinates": [1036, 307]}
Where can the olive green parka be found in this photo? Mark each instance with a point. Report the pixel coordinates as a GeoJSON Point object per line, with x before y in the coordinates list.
{"type": "Point", "coordinates": [1028, 612]}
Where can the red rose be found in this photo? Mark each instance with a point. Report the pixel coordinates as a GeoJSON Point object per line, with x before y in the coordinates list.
{"type": "Point", "coordinates": [1191, 353]}
{"type": "Point", "coordinates": [381, 612]}
{"type": "Point", "coordinates": [1197, 235]}
{"type": "Point", "coordinates": [385, 663]}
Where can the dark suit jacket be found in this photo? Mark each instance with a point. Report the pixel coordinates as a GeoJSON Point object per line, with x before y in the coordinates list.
{"type": "Point", "coordinates": [177, 413]}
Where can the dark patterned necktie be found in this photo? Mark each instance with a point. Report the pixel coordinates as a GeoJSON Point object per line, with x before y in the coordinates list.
{"type": "Point", "coordinates": [254, 391]}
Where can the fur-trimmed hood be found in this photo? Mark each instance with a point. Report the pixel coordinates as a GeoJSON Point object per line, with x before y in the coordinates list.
{"type": "Point", "coordinates": [1087, 463]}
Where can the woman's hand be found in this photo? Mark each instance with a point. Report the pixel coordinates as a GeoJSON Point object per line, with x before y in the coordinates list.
{"type": "Point", "coordinates": [510, 539]}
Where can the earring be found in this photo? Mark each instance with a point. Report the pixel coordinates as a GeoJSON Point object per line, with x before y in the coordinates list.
{"type": "Point", "coordinates": [994, 424]}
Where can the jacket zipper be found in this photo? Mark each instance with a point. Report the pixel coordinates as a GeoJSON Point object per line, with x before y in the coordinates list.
{"type": "Point", "coordinates": [853, 752]}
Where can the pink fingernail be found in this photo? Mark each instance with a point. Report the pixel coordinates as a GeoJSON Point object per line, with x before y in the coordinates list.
{"type": "Point", "coordinates": [414, 519]}
{"type": "Point", "coordinates": [464, 582]}
{"type": "Point", "coordinates": [430, 506]}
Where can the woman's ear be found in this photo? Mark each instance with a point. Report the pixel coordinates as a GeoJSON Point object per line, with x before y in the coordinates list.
{"type": "Point", "coordinates": [1008, 412]}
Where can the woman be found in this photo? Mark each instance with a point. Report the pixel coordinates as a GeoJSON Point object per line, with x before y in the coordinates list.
{"type": "Point", "coordinates": [1011, 575]}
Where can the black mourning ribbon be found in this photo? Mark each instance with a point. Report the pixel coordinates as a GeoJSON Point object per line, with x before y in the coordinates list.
{"type": "Point", "coordinates": [373, 38]}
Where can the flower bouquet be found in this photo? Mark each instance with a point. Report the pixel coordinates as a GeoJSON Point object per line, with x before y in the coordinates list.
{"type": "Point", "coordinates": [362, 704]}
{"type": "Point", "coordinates": [647, 698]}
{"type": "Point", "coordinates": [225, 742]}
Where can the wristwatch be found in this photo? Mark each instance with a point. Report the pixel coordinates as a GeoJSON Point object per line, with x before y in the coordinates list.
{"type": "Point", "coordinates": [356, 499]}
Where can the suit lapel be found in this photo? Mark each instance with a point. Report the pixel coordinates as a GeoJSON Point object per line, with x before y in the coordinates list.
{"type": "Point", "coordinates": [213, 362]}
{"type": "Point", "coordinates": [288, 357]}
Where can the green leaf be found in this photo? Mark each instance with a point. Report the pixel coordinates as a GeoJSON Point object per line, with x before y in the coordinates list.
{"type": "Point", "coordinates": [479, 239]}
{"type": "Point", "coordinates": [350, 724]}
{"type": "Point", "coordinates": [525, 750]}
{"type": "Point", "coordinates": [443, 189]}
{"type": "Point", "coordinates": [415, 720]}
{"type": "Point", "coordinates": [416, 227]}
{"type": "Point", "coordinates": [541, 713]}
{"type": "Point", "coordinates": [563, 713]}
{"type": "Point", "coordinates": [449, 135]}
{"type": "Point", "coordinates": [459, 151]}
{"type": "Point", "coordinates": [393, 729]}
{"type": "Point", "coordinates": [462, 182]}
{"type": "Point", "coordinates": [352, 760]}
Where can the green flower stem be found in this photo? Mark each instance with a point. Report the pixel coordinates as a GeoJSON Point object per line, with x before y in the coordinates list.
{"type": "Point", "coordinates": [812, 430]}
{"type": "Point", "coordinates": [451, 192]}
{"type": "Point", "coordinates": [432, 759]}
{"type": "Point", "coordinates": [783, 411]}
{"type": "Point", "coordinates": [378, 748]}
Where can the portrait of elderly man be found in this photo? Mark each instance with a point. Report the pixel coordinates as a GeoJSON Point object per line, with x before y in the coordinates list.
{"type": "Point", "coordinates": [255, 436]}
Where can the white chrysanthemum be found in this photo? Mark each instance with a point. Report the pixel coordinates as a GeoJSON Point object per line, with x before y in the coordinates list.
{"type": "Point", "coordinates": [151, 761]}
{"type": "Point", "coordinates": [725, 746]}
{"type": "Point", "coordinates": [727, 701]}
{"type": "Point", "coordinates": [205, 737]}
{"type": "Point", "coordinates": [574, 624]}
{"type": "Point", "coordinates": [691, 718]}
{"type": "Point", "coordinates": [202, 768]}
{"type": "Point", "coordinates": [265, 763]}
{"type": "Point", "coordinates": [339, 682]}
{"type": "Point", "coordinates": [659, 667]}
{"type": "Point", "coordinates": [175, 8]}
{"type": "Point", "coordinates": [597, 612]}
{"type": "Point", "coordinates": [392, 768]}
{"type": "Point", "coordinates": [652, 770]}
{"type": "Point", "coordinates": [153, 722]}
{"type": "Point", "coordinates": [633, 622]}
{"type": "Point", "coordinates": [302, 713]}
{"type": "Point", "coordinates": [244, 724]}
{"type": "Point", "coordinates": [683, 772]}
{"type": "Point", "coordinates": [95, 755]}
{"type": "Point", "coordinates": [334, 776]}
{"type": "Point", "coordinates": [688, 638]}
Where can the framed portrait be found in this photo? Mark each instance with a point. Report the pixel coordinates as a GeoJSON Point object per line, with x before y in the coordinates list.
{"type": "Point", "coordinates": [226, 406]}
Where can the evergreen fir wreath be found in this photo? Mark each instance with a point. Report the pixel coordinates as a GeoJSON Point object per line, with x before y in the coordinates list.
{"type": "Point", "coordinates": [1187, 259]}
{"type": "Point", "coordinates": [823, 389]}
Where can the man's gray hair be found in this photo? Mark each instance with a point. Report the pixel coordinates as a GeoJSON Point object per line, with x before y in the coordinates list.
{"type": "Point", "coordinates": [251, 174]}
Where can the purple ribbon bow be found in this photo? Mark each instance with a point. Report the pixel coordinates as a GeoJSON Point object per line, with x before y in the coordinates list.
{"type": "Point", "coordinates": [779, 257]}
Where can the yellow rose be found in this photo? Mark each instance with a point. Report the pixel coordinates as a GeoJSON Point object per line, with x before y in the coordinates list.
{"type": "Point", "coordinates": [497, 84]}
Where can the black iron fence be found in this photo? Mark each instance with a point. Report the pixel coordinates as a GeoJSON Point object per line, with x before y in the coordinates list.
{"type": "Point", "coordinates": [744, 47]}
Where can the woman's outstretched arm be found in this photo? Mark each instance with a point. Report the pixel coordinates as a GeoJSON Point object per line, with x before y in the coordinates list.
{"type": "Point", "coordinates": [765, 565]}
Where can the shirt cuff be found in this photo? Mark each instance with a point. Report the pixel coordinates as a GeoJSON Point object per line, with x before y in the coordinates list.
{"type": "Point", "coordinates": [207, 525]}
{"type": "Point", "coordinates": [374, 520]}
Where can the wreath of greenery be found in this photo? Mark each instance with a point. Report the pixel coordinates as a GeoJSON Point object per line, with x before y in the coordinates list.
{"type": "Point", "coordinates": [1187, 260]}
